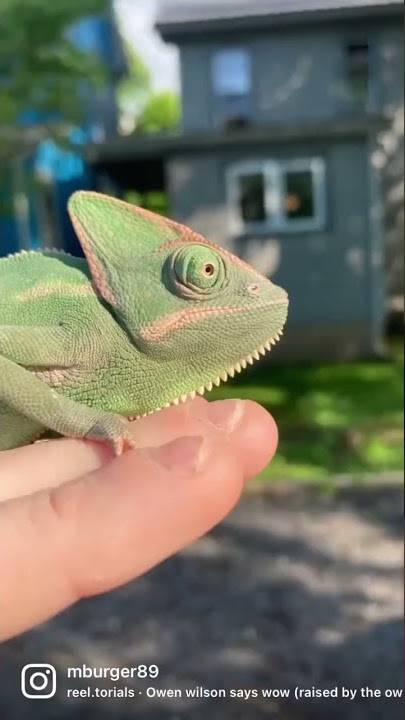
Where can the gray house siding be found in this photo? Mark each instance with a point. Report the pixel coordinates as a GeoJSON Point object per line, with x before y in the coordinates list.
{"type": "Point", "coordinates": [389, 157]}
{"type": "Point", "coordinates": [389, 64]}
{"type": "Point", "coordinates": [297, 74]}
{"type": "Point", "coordinates": [196, 93]}
{"type": "Point", "coordinates": [326, 273]}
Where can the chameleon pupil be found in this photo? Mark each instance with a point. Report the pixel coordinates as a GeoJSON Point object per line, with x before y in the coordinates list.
{"type": "Point", "coordinates": [209, 269]}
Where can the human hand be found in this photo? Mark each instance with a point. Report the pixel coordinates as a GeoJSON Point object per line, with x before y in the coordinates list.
{"type": "Point", "coordinates": [77, 522]}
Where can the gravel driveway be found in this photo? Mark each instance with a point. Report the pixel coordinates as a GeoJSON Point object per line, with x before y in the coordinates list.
{"type": "Point", "coordinates": [296, 589]}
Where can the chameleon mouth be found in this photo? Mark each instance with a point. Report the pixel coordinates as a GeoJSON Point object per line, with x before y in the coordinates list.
{"type": "Point", "coordinates": [221, 377]}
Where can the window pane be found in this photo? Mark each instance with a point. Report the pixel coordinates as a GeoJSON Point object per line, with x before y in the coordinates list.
{"type": "Point", "coordinates": [357, 75]}
{"type": "Point", "coordinates": [251, 197]}
{"type": "Point", "coordinates": [231, 72]}
{"type": "Point", "coordinates": [358, 86]}
{"type": "Point", "coordinates": [299, 198]}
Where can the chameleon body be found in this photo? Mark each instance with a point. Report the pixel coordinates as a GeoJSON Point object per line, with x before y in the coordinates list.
{"type": "Point", "coordinates": [153, 315]}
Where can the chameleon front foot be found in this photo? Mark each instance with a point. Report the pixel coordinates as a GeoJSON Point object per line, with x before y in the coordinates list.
{"type": "Point", "coordinates": [113, 430]}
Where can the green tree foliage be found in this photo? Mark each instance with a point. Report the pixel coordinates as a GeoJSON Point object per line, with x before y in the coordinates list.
{"type": "Point", "coordinates": [141, 109]}
{"type": "Point", "coordinates": [161, 113]}
{"type": "Point", "coordinates": [41, 69]}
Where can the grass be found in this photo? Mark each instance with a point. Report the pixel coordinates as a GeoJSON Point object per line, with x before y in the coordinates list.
{"type": "Point", "coordinates": [332, 418]}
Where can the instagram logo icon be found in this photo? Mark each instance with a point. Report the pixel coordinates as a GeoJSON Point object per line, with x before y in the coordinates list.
{"type": "Point", "coordinates": [38, 681]}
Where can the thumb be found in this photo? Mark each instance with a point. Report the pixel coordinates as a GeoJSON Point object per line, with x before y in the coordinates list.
{"type": "Point", "coordinates": [100, 531]}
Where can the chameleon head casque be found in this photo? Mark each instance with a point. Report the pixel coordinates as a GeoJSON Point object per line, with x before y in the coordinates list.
{"type": "Point", "coordinates": [194, 310]}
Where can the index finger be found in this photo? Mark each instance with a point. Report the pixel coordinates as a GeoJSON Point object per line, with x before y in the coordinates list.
{"type": "Point", "coordinates": [52, 463]}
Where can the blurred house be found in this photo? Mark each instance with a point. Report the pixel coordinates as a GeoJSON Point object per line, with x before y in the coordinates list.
{"type": "Point", "coordinates": [290, 154]}
{"type": "Point", "coordinates": [33, 204]}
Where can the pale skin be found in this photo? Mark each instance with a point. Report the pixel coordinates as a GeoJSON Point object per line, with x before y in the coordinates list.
{"type": "Point", "coordinates": [77, 522]}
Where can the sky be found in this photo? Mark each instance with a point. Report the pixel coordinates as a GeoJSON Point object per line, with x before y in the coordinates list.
{"type": "Point", "coordinates": [136, 19]}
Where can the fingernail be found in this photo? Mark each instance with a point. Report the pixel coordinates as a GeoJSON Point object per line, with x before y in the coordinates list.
{"type": "Point", "coordinates": [186, 454]}
{"type": "Point", "coordinates": [226, 414]}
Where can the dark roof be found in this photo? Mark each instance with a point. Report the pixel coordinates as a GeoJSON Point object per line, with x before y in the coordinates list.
{"type": "Point", "coordinates": [182, 15]}
{"type": "Point", "coordinates": [137, 147]}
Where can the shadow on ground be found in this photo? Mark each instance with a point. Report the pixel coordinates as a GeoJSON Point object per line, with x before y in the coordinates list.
{"type": "Point", "coordinates": [296, 588]}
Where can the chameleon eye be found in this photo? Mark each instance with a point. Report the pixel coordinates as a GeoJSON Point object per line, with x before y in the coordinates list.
{"type": "Point", "coordinates": [198, 270]}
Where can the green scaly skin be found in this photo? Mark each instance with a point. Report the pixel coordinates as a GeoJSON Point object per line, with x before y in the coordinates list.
{"type": "Point", "coordinates": [152, 316]}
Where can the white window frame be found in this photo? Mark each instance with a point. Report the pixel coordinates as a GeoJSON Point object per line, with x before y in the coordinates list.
{"type": "Point", "coordinates": [274, 173]}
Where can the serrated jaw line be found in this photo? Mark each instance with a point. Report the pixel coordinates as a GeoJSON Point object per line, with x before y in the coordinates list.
{"type": "Point", "coordinates": [222, 376]}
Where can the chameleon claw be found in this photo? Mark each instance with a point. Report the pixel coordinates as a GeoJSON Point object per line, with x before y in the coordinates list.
{"type": "Point", "coordinates": [122, 443]}
{"type": "Point", "coordinates": [118, 445]}
{"type": "Point", "coordinates": [128, 440]}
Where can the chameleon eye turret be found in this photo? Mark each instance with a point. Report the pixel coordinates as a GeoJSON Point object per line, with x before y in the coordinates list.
{"type": "Point", "coordinates": [198, 270]}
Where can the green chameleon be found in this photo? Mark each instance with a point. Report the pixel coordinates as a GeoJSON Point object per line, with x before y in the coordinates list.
{"type": "Point", "coordinates": [154, 315]}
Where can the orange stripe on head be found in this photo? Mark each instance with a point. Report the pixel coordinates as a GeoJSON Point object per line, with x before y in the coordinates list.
{"type": "Point", "coordinates": [184, 318]}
